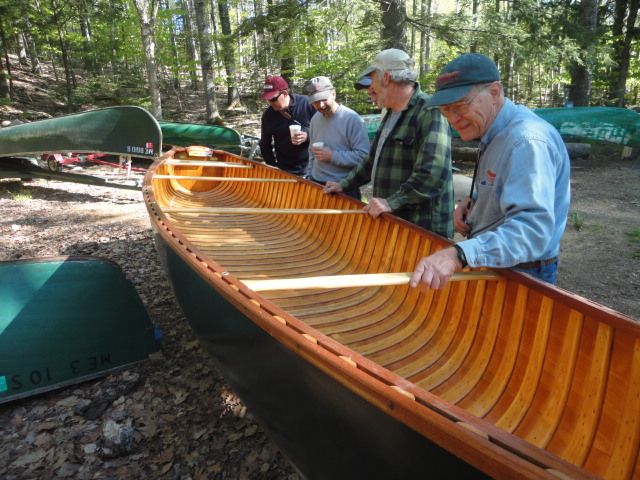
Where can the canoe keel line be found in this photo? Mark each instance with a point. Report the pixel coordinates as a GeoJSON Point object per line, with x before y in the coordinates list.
{"type": "Point", "coordinates": [506, 377]}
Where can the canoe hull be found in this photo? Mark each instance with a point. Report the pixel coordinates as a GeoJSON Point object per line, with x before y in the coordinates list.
{"type": "Point", "coordinates": [344, 436]}
{"type": "Point", "coordinates": [65, 320]}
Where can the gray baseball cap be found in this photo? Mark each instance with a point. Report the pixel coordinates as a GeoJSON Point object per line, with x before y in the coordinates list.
{"type": "Point", "coordinates": [318, 88]}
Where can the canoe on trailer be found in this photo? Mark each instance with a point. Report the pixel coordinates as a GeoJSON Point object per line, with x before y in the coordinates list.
{"type": "Point", "coordinates": [125, 131]}
{"type": "Point", "coordinates": [496, 374]}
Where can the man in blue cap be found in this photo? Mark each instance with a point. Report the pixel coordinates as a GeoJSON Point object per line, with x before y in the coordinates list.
{"type": "Point", "coordinates": [518, 213]}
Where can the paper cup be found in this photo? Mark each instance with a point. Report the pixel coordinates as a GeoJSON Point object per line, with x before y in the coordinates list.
{"type": "Point", "coordinates": [318, 145]}
{"type": "Point", "coordinates": [294, 129]}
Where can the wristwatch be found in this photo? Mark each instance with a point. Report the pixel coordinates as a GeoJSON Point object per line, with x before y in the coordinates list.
{"type": "Point", "coordinates": [461, 256]}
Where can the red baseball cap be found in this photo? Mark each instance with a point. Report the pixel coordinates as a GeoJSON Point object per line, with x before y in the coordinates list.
{"type": "Point", "coordinates": [273, 85]}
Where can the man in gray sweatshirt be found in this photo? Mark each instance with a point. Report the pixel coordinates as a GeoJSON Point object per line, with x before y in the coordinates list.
{"type": "Point", "coordinates": [338, 136]}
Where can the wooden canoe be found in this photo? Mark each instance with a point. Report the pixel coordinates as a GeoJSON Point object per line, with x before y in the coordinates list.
{"type": "Point", "coordinates": [505, 377]}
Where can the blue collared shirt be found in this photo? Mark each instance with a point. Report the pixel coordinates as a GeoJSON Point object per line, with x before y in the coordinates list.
{"type": "Point", "coordinates": [523, 192]}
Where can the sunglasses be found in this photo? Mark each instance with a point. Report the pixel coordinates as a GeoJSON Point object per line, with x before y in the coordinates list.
{"type": "Point", "coordinates": [271, 100]}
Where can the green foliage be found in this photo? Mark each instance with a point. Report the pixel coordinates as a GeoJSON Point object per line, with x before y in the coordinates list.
{"type": "Point", "coordinates": [533, 43]}
{"type": "Point", "coordinates": [634, 241]}
{"type": "Point", "coordinates": [15, 191]}
{"type": "Point", "coordinates": [576, 220]}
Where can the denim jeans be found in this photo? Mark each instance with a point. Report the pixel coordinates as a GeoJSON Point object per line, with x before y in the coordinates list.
{"type": "Point", "coordinates": [547, 273]}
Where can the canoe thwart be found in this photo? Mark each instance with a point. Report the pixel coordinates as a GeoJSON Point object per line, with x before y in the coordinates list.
{"type": "Point", "coordinates": [205, 163]}
{"type": "Point", "coordinates": [270, 211]}
{"type": "Point", "coordinates": [224, 179]}
{"type": "Point", "coordinates": [357, 280]}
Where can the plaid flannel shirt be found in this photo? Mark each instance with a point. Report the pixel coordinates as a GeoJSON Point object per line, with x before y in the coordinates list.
{"type": "Point", "coordinates": [414, 169]}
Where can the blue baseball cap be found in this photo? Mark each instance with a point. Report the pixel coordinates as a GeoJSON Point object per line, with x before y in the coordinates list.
{"type": "Point", "coordinates": [363, 82]}
{"type": "Point", "coordinates": [458, 77]}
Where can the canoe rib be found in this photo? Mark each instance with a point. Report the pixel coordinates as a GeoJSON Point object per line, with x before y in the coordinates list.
{"type": "Point", "coordinates": [515, 377]}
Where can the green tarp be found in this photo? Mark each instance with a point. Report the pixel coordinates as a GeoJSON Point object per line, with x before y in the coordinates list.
{"type": "Point", "coordinates": [579, 124]}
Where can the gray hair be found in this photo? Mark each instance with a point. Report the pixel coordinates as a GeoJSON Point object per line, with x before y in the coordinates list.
{"type": "Point", "coordinates": [406, 75]}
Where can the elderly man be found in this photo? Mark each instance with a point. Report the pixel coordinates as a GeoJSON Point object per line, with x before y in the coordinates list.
{"type": "Point", "coordinates": [278, 145]}
{"type": "Point", "coordinates": [338, 135]}
{"type": "Point", "coordinates": [519, 212]}
{"type": "Point", "coordinates": [410, 160]}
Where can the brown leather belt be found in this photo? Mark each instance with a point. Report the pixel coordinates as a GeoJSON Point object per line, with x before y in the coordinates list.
{"type": "Point", "coordinates": [537, 263]}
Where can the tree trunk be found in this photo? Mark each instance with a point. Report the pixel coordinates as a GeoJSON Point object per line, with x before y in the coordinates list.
{"type": "Point", "coordinates": [87, 40]}
{"type": "Point", "coordinates": [32, 51]}
{"type": "Point", "coordinates": [147, 11]}
{"type": "Point", "coordinates": [204, 37]}
{"type": "Point", "coordinates": [6, 87]}
{"type": "Point", "coordinates": [624, 32]}
{"type": "Point", "coordinates": [22, 50]}
{"type": "Point", "coordinates": [233, 95]}
{"type": "Point", "coordinates": [191, 44]}
{"type": "Point", "coordinates": [394, 24]}
{"type": "Point", "coordinates": [63, 51]}
{"type": "Point", "coordinates": [261, 46]}
{"type": "Point", "coordinates": [581, 72]}
{"type": "Point", "coordinates": [425, 37]}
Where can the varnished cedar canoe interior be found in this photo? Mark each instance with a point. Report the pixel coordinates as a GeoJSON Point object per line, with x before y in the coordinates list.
{"type": "Point", "coordinates": [535, 371]}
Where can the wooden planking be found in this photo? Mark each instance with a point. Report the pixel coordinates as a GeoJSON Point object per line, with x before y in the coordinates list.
{"type": "Point", "coordinates": [453, 359]}
{"type": "Point", "coordinates": [431, 346]}
{"type": "Point", "coordinates": [469, 374]}
{"type": "Point", "coordinates": [576, 430]}
{"type": "Point", "coordinates": [615, 447]}
{"type": "Point", "coordinates": [510, 410]}
{"type": "Point", "coordinates": [550, 399]}
{"type": "Point", "coordinates": [491, 386]}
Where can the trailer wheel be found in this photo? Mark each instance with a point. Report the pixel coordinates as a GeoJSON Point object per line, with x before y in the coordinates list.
{"type": "Point", "coordinates": [52, 163]}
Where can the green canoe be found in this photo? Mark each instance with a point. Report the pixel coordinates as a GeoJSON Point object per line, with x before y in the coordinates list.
{"type": "Point", "coordinates": [64, 320]}
{"type": "Point", "coordinates": [212, 136]}
{"type": "Point", "coordinates": [125, 130]}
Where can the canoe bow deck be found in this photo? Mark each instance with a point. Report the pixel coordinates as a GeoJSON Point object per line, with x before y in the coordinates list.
{"type": "Point", "coordinates": [514, 377]}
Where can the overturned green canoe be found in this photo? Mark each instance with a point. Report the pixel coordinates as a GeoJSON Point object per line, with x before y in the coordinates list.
{"type": "Point", "coordinates": [64, 320]}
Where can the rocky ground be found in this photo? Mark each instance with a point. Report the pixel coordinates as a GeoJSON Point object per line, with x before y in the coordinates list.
{"type": "Point", "coordinates": [171, 417]}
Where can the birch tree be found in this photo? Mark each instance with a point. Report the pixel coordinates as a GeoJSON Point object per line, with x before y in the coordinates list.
{"type": "Point", "coordinates": [147, 11]}
{"type": "Point", "coordinates": [206, 61]}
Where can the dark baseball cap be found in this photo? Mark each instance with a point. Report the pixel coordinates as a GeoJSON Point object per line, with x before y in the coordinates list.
{"type": "Point", "coordinates": [460, 75]}
{"type": "Point", "coordinates": [273, 85]}
{"type": "Point", "coordinates": [363, 82]}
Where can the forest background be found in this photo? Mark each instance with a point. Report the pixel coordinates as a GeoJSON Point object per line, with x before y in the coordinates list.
{"type": "Point", "coordinates": [109, 52]}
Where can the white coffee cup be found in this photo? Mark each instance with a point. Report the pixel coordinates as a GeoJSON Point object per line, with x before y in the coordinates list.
{"type": "Point", "coordinates": [294, 129]}
{"type": "Point", "coordinates": [318, 145]}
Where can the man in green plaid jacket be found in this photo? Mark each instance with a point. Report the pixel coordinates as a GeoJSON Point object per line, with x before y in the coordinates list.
{"type": "Point", "coordinates": [410, 159]}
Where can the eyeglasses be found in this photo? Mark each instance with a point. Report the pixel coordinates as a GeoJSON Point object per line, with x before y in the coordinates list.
{"type": "Point", "coordinates": [271, 100]}
{"type": "Point", "coordinates": [463, 106]}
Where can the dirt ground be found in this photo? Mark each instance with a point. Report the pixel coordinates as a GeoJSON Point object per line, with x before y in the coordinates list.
{"type": "Point", "coordinates": [600, 250]}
